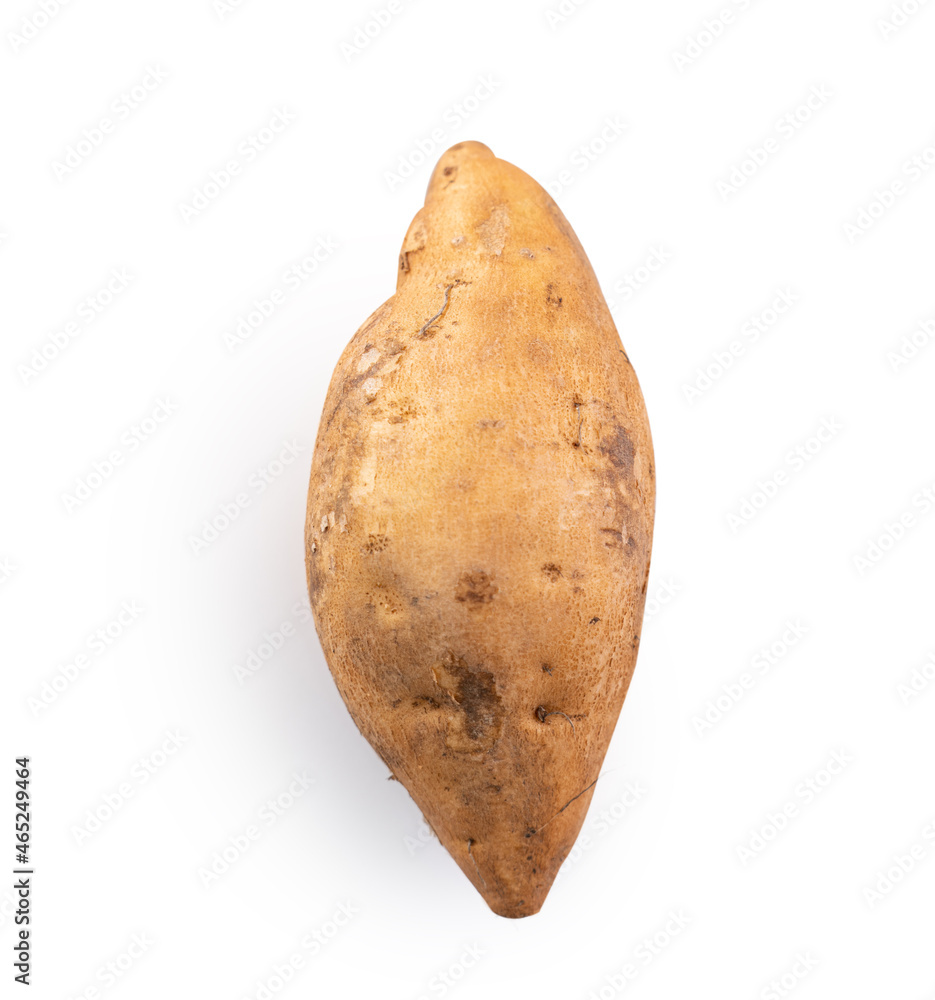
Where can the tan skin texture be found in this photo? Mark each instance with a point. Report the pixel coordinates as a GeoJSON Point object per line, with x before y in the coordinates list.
{"type": "Point", "coordinates": [479, 526]}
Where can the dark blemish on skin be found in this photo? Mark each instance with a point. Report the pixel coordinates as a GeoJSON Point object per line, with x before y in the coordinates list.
{"type": "Point", "coordinates": [451, 172]}
{"type": "Point", "coordinates": [593, 620]}
{"type": "Point", "coordinates": [554, 300]}
{"type": "Point", "coordinates": [476, 724]}
{"type": "Point", "coordinates": [475, 589]}
{"type": "Point", "coordinates": [405, 410]}
{"type": "Point", "coordinates": [404, 261]}
{"type": "Point", "coordinates": [375, 543]}
{"type": "Point", "coordinates": [552, 571]}
{"type": "Point", "coordinates": [616, 537]}
{"type": "Point", "coordinates": [546, 669]}
{"type": "Point", "coordinates": [619, 449]}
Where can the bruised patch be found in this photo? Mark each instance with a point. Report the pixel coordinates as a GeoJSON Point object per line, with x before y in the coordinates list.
{"type": "Point", "coordinates": [477, 713]}
{"type": "Point", "coordinates": [475, 589]}
{"type": "Point", "coordinates": [539, 351]}
{"type": "Point", "coordinates": [618, 447]}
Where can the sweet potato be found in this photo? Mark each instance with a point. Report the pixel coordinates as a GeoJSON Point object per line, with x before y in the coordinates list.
{"type": "Point", "coordinates": [479, 526]}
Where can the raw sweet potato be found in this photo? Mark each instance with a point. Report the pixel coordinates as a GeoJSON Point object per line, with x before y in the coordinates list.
{"type": "Point", "coordinates": [479, 526]}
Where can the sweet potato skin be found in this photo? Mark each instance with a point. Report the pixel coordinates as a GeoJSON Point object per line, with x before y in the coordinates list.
{"type": "Point", "coordinates": [479, 526]}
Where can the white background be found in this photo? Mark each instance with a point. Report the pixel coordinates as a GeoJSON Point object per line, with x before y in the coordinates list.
{"type": "Point", "coordinates": [826, 551]}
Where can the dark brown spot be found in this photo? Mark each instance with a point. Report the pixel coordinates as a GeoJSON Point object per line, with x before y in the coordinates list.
{"type": "Point", "coordinates": [403, 410]}
{"type": "Point", "coordinates": [614, 539]}
{"type": "Point", "coordinates": [477, 718]}
{"type": "Point", "coordinates": [593, 620]}
{"type": "Point", "coordinates": [619, 449]}
{"type": "Point", "coordinates": [552, 297]}
{"type": "Point", "coordinates": [546, 669]}
{"type": "Point", "coordinates": [475, 589]}
{"type": "Point", "coordinates": [552, 571]}
{"type": "Point", "coordinates": [375, 543]}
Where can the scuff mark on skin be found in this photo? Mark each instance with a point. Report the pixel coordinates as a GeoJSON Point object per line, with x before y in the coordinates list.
{"type": "Point", "coordinates": [492, 230]}
{"type": "Point", "coordinates": [476, 866]}
{"type": "Point", "coordinates": [379, 433]}
{"type": "Point", "coordinates": [371, 387]}
{"type": "Point", "coordinates": [368, 360]}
